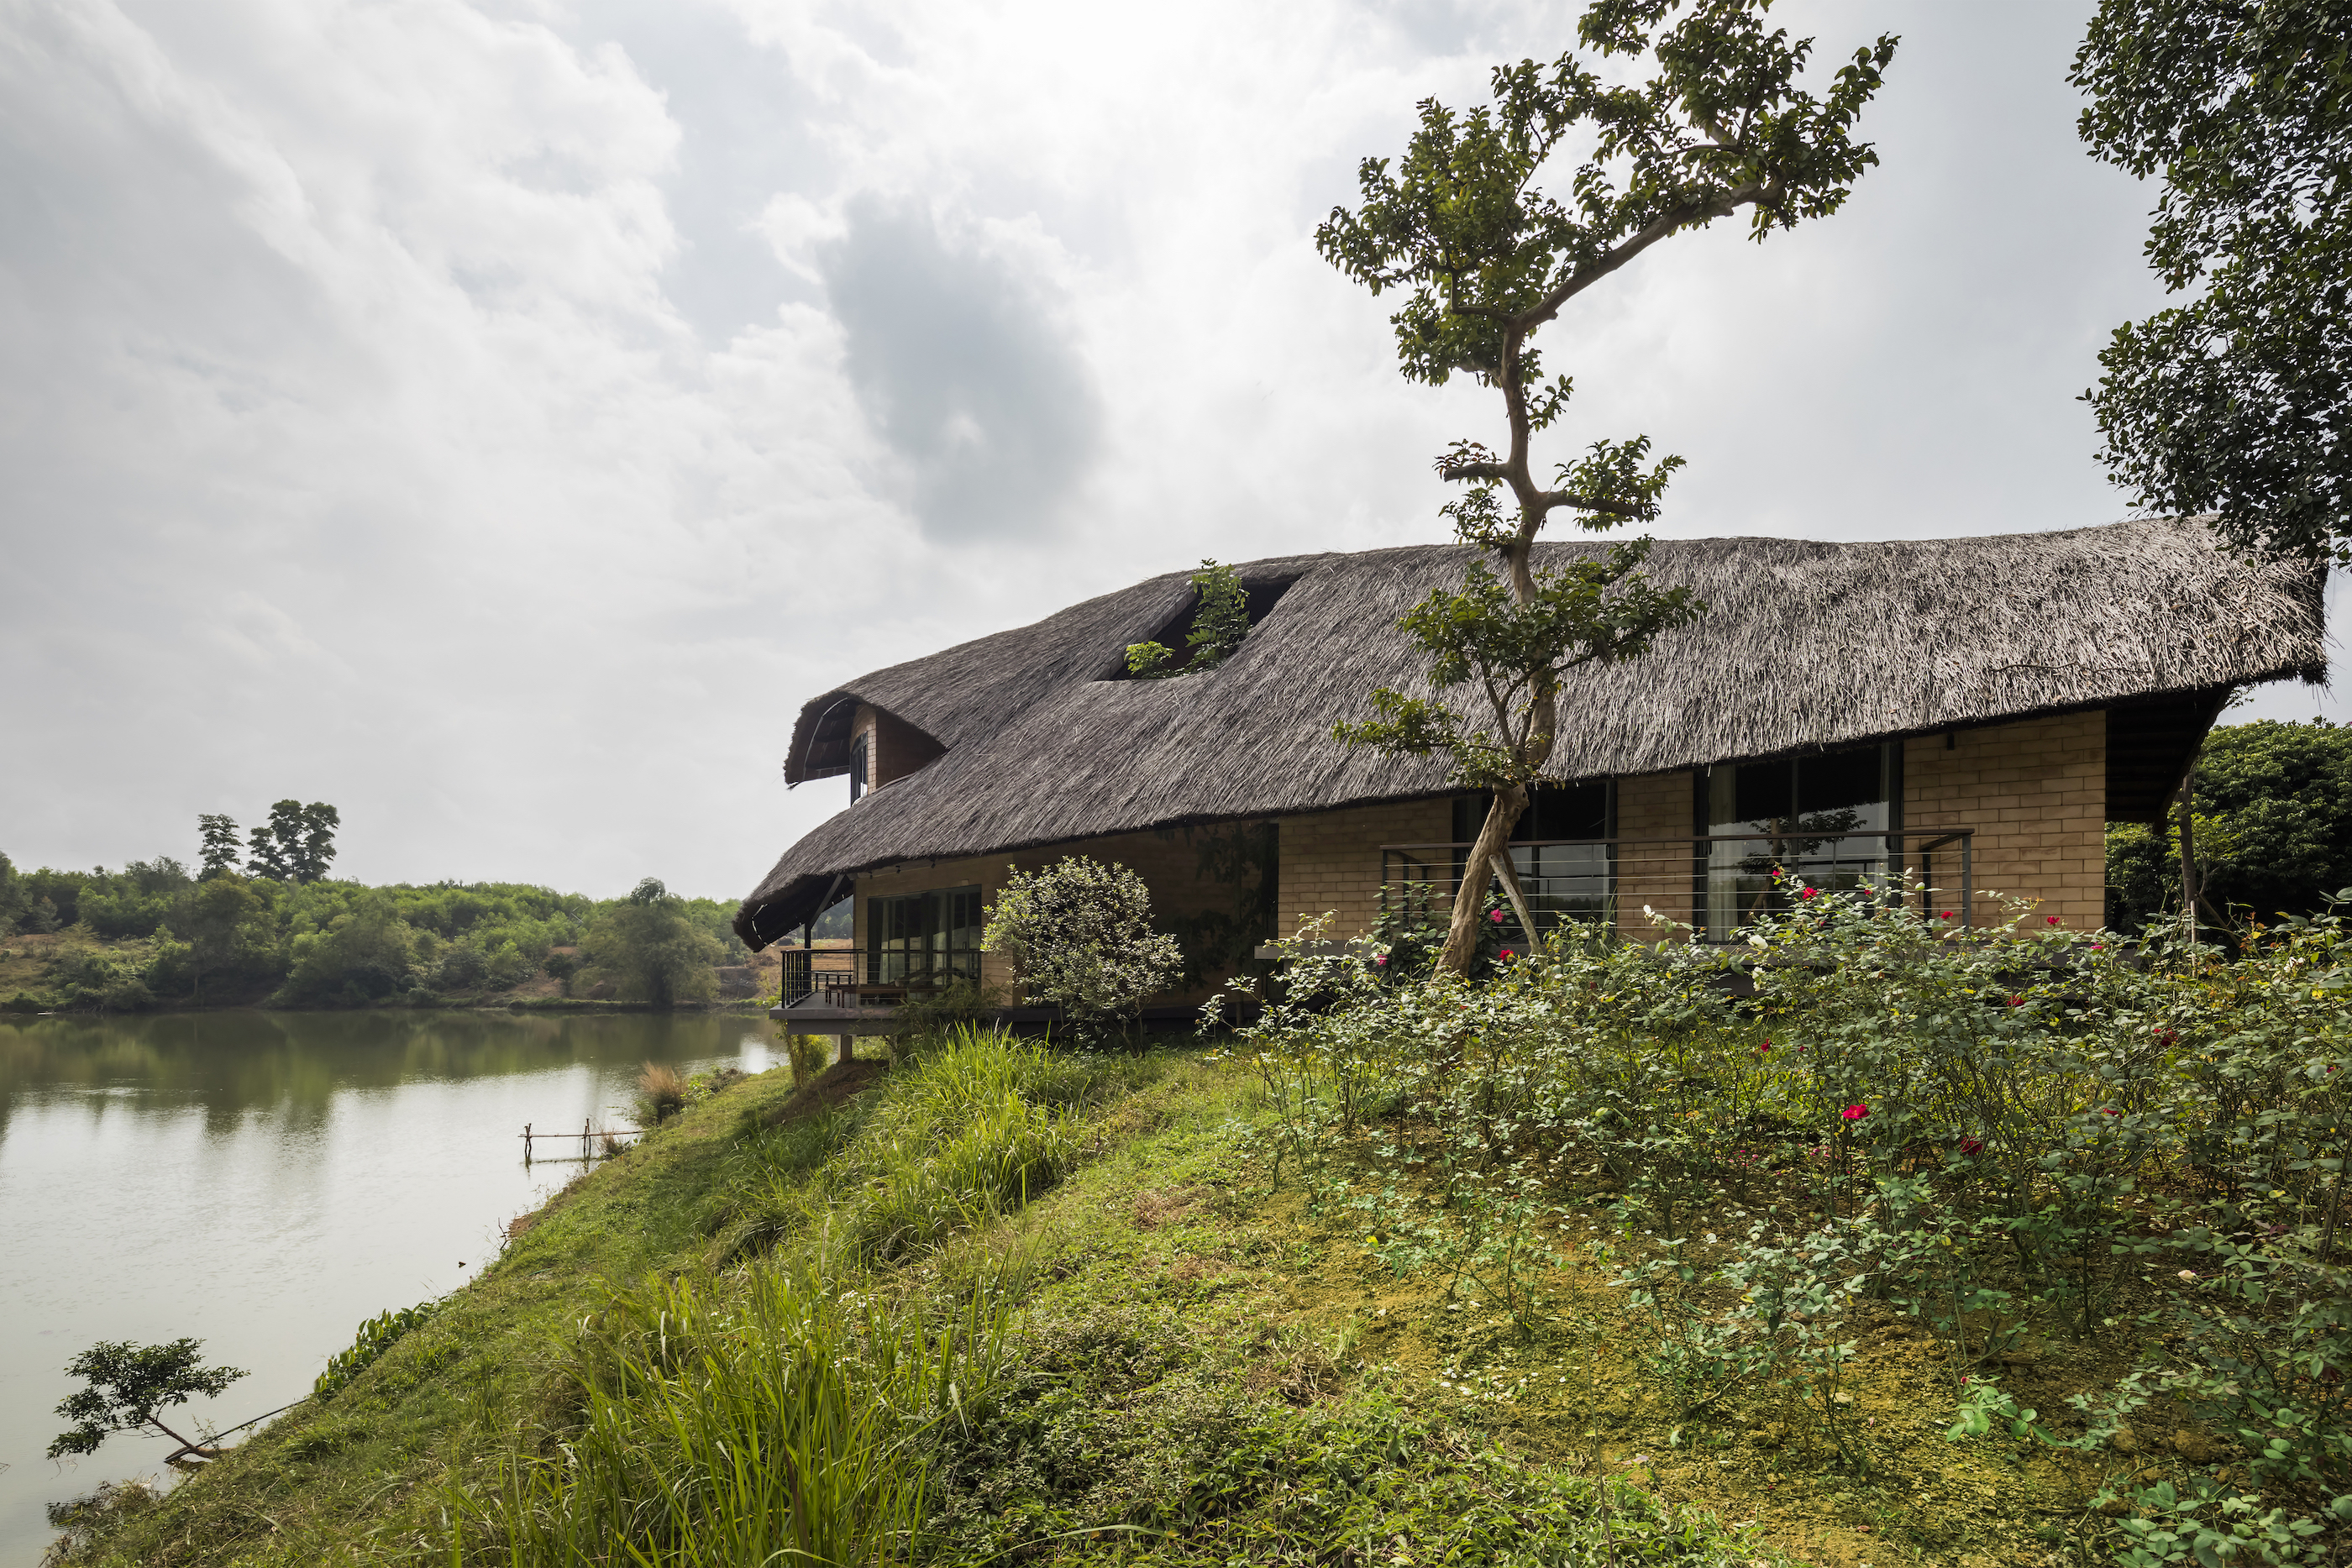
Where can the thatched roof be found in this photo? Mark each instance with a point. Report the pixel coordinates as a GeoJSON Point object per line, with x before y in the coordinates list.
{"type": "Point", "coordinates": [1806, 645]}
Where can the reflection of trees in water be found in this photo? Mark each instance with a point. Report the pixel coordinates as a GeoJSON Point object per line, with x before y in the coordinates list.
{"type": "Point", "coordinates": [232, 1063]}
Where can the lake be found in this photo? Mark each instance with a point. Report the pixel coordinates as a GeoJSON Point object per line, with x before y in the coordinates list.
{"type": "Point", "coordinates": [264, 1182]}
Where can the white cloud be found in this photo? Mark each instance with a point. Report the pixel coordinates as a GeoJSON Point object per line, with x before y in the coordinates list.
{"type": "Point", "coordinates": [486, 419]}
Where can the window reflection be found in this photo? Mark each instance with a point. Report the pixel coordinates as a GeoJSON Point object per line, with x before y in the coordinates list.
{"type": "Point", "coordinates": [1810, 811]}
{"type": "Point", "coordinates": [1562, 882]}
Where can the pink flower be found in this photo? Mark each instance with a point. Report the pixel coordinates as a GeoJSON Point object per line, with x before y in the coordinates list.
{"type": "Point", "coordinates": [2052, 918]}
{"type": "Point", "coordinates": [1506, 952]}
{"type": "Point", "coordinates": [1945, 915]}
{"type": "Point", "coordinates": [1971, 1146]}
{"type": "Point", "coordinates": [2017, 1001]}
{"type": "Point", "coordinates": [1854, 1112]}
{"type": "Point", "coordinates": [2109, 1111]}
{"type": "Point", "coordinates": [1496, 916]}
{"type": "Point", "coordinates": [1807, 894]}
{"type": "Point", "coordinates": [1382, 958]}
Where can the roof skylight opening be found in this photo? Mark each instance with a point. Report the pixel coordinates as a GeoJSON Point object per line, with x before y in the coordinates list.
{"type": "Point", "coordinates": [1206, 632]}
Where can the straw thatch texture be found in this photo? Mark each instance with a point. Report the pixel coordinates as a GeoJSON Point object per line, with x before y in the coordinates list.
{"type": "Point", "coordinates": [1806, 645]}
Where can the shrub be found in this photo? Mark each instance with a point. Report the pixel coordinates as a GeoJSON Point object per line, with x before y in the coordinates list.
{"type": "Point", "coordinates": [661, 1093]}
{"type": "Point", "coordinates": [1080, 936]}
{"type": "Point", "coordinates": [650, 947]}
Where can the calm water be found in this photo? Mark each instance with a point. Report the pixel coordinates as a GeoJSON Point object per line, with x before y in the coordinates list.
{"type": "Point", "coordinates": [263, 1181]}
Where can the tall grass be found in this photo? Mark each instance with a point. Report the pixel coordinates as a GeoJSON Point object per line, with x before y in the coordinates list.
{"type": "Point", "coordinates": [751, 1423]}
{"type": "Point", "coordinates": [981, 1124]}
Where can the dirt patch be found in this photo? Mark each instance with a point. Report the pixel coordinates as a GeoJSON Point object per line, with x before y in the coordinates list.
{"type": "Point", "coordinates": [831, 1089]}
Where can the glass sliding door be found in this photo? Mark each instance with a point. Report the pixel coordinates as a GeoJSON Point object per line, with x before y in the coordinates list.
{"type": "Point", "coordinates": [924, 938]}
{"type": "Point", "coordinates": [1810, 812]}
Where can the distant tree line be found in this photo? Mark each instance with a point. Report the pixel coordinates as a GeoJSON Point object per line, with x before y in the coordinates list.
{"type": "Point", "coordinates": [294, 938]}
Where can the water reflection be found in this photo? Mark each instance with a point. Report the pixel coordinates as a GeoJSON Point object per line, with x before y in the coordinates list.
{"type": "Point", "coordinates": [264, 1181]}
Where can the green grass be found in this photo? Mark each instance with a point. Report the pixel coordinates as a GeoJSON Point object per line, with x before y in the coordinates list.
{"type": "Point", "coordinates": [1008, 1306]}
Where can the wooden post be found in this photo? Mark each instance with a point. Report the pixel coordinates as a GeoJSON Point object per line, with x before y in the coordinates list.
{"type": "Point", "coordinates": [526, 1143]}
{"type": "Point", "coordinates": [843, 1045]}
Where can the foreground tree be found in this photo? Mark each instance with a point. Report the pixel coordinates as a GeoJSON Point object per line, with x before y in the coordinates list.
{"type": "Point", "coordinates": [127, 1384]}
{"type": "Point", "coordinates": [1486, 259]}
{"type": "Point", "coordinates": [2235, 403]}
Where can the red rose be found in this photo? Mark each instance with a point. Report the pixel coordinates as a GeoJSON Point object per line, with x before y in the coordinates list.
{"type": "Point", "coordinates": [1854, 1112]}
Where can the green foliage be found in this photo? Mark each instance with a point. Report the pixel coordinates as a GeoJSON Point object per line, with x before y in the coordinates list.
{"type": "Point", "coordinates": [1487, 259]}
{"type": "Point", "coordinates": [2028, 1131]}
{"type": "Point", "coordinates": [376, 1336]}
{"type": "Point", "coordinates": [1080, 934]}
{"type": "Point", "coordinates": [2235, 403]}
{"type": "Point", "coordinates": [361, 956]}
{"type": "Point", "coordinates": [1513, 652]}
{"type": "Point", "coordinates": [127, 1384]}
{"type": "Point", "coordinates": [298, 843]}
{"type": "Point", "coordinates": [1220, 623]}
{"type": "Point", "coordinates": [650, 947]}
{"type": "Point", "coordinates": [2273, 831]}
{"type": "Point", "coordinates": [219, 849]}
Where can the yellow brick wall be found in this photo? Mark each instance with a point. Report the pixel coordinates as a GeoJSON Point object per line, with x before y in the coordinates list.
{"type": "Point", "coordinates": [1653, 806]}
{"type": "Point", "coordinates": [1331, 860]}
{"type": "Point", "coordinates": [2036, 793]}
{"type": "Point", "coordinates": [894, 748]}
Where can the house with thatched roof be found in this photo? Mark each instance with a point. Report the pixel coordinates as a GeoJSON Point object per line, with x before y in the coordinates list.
{"type": "Point", "coordinates": [1969, 712]}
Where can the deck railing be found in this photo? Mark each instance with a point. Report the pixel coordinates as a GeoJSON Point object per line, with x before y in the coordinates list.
{"type": "Point", "coordinates": [853, 977]}
{"type": "Point", "coordinates": [1712, 884]}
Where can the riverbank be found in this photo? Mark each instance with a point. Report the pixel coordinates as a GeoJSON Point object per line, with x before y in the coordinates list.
{"type": "Point", "coordinates": [1166, 1358]}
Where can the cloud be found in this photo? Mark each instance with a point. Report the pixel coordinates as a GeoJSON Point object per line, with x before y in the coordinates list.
{"type": "Point", "coordinates": [962, 362]}
{"type": "Point", "coordinates": [495, 419]}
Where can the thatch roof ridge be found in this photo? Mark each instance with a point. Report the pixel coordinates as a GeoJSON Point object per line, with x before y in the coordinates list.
{"type": "Point", "coordinates": [1808, 645]}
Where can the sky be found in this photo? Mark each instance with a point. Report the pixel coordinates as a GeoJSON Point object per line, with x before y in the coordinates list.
{"type": "Point", "coordinates": [495, 420]}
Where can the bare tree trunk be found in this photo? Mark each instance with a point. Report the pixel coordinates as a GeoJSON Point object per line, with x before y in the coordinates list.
{"type": "Point", "coordinates": [1462, 935]}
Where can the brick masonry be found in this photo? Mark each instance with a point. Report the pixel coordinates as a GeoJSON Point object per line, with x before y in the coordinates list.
{"type": "Point", "coordinates": [2036, 793]}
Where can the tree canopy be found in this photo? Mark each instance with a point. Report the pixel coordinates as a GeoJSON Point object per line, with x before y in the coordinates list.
{"type": "Point", "coordinates": [2235, 401]}
{"type": "Point", "coordinates": [1485, 257]}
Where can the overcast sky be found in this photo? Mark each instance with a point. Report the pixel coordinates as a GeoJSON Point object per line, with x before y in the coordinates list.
{"type": "Point", "coordinates": [495, 419]}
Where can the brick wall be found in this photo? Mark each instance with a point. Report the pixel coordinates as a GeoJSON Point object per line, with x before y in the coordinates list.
{"type": "Point", "coordinates": [1653, 806]}
{"type": "Point", "coordinates": [894, 748]}
{"type": "Point", "coordinates": [2036, 792]}
{"type": "Point", "coordinates": [1331, 860]}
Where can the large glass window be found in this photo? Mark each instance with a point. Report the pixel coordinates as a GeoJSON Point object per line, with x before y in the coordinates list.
{"type": "Point", "coordinates": [1569, 881]}
{"type": "Point", "coordinates": [924, 938]}
{"type": "Point", "coordinates": [1804, 815]}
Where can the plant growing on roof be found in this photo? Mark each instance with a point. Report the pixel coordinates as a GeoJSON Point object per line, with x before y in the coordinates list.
{"type": "Point", "coordinates": [1220, 622]}
{"type": "Point", "coordinates": [1080, 936]}
{"type": "Point", "coordinates": [1487, 259]}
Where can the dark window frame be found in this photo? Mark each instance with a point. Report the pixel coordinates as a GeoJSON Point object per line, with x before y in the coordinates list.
{"type": "Point", "coordinates": [927, 937]}
{"type": "Point", "coordinates": [861, 751]}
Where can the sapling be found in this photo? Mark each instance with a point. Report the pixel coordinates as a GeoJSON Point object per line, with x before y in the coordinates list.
{"type": "Point", "coordinates": [128, 1384]}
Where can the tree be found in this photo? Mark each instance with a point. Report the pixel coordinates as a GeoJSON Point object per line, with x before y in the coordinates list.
{"type": "Point", "coordinates": [1080, 934]}
{"type": "Point", "coordinates": [2271, 830]}
{"type": "Point", "coordinates": [219, 853]}
{"type": "Point", "coordinates": [649, 948]}
{"type": "Point", "coordinates": [1487, 259]}
{"type": "Point", "coordinates": [298, 844]}
{"type": "Point", "coordinates": [128, 1384]}
{"type": "Point", "coordinates": [2236, 402]}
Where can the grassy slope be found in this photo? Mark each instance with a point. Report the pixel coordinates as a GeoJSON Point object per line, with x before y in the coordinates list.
{"type": "Point", "coordinates": [1197, 1351]}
